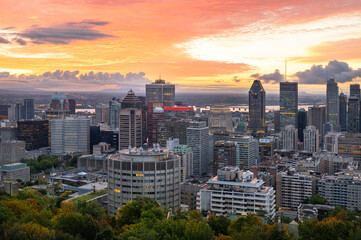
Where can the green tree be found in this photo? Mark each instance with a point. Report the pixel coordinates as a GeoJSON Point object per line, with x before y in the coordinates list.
{"type": "Point", "coordinates": [198, 230]}
{"type": "Point", "coordinates": [30, 231]}
{"type": "Point", "coordinates": [219, 224]}
{"type": "Point", "coordinates": [318, 199]}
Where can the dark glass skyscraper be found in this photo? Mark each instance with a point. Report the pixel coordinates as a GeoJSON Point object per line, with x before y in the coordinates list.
{"type": "Point", "coordinates": [332, 104]}
{"type": "Point", "coordinates": [355, 90]}
{"type": "Point", "coordinates": [257, 108]}
{"type": "Point", "coordinates": [342, 99]}
{"type": "Point", "coordinates": [28, 108]}
{"type": "Point", "coordinates": [353, 115]}
{"type": "Point", "coordinates": [301, 123]}
{"type": "Point", "coordinates": [160, 91]}
{"type": "Point", "coordinates": [288, 104]}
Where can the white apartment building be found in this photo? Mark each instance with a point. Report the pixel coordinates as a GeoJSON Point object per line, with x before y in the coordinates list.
{"type": "Point", "coordinates": [235, 192]}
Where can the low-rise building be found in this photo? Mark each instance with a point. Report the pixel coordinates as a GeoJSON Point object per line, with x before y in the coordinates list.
{"type": "Point", "coordinates": [16, 171]}
{"type": "Point", "coordinates": [186, 161]}
{"type": "Point", "coordinates": [189, 193]}
{"type": "Point", "coordinates": [236, 192]}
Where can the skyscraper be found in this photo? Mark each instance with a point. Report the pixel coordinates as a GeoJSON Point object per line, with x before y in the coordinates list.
{"type": "Point", "coordinates": [220, 118]}
{"type": "Point", "coordinates": [247, 151]}
{"type": "Point", "coordinates": [343, 111]}
{"type": "Point", "coordinates": [355, 90]}
{"type": "Point", "coordinates": [332, 104]}
{"type": "Point", "coordinates": [288, 104]}
{"type": "Point", "coordinates": [224, 154]}
{"type": "Point", "coordinates": [28, 108]}
{"type": "Point", "coordinates": [70, 135]}
{"type": "Point", "coordinates": [34, 133]}
{"type": "Point", "coordinates": [130, 122]}
{"type": "Point", "coordinates": [155, 114]}
{"type": "Point", "coordinates": [72, 106]}
{"type": "Point", "coordinates": [316, 116]}
{"type": "Point", "coordinates": [102, 113]}
{"type": "Point", "coordinates": [114, 107]}
{"type": "Point", "coordinates": [160, 91]}
{"type": "Point", "coordinates": [198, 140]}
{"type": "Point", "coordinates": [353, 115]}
{"type": "Point", "coordinates": [257, 108]}
{"type": "Point", "coordinates": [301, 123]}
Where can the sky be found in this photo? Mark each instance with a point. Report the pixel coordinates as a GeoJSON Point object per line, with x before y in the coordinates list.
{"type": "Point", "coordinates": [199, 45]}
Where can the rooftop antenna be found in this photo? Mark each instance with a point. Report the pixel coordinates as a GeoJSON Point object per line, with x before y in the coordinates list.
{"type": "Point", "coordinates": [160, 76]}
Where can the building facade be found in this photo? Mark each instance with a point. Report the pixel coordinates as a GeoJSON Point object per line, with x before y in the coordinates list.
{"type": "Point", "coordinates": [311, 139]}
{"type": "Point", "coordinates": [15, 171]}
{"type": "Point", "coordinates": [257, 108]}
{"type": "Point", "coordinates": [35, 133]}
{"type": "Point", "coordinates": [289, 138]}
{"type": "Point", "coordinates": [160, 91]}
{"type": "Point", "coordinates": [235, 192]}
{"type": "Point", "coordinates": [224, 154]}
{"type": "Point", "coordinates": [28, 108]}
{"type": "Point", "coordinates": [11, 151]}
{"type": "Point", "coordinates": [70, 135]}
{"type": "Point", "coordinates": [198, 140]}
{"type": "Point", "coordinates": [332, 104]}
{"type": "Point", "coordinates": [288, 104]}
{"type": "Point", "coordinates": [342, 100]}
{"type": "Point", "coordinates": [153, 173]}
{"type": "Point", "coordinates": [185, 154]}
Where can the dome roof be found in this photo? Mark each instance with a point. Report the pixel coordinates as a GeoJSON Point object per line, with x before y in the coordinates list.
{"type": "Point", "coordinates": [59, 96]}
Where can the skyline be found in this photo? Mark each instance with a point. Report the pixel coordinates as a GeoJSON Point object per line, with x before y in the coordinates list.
{"type": "Point", "coordinates": [201, 46]}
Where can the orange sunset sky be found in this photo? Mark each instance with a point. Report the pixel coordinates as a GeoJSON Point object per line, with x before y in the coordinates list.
{"type": "Point", "coordinates": [201, 46]}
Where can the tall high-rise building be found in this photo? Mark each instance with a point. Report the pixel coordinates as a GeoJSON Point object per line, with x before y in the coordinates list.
{"type": "Point", "coordinates": [28, 108]}
{"type": "Point", "coordinates": [198, 140]}
{"type": "Point", "coordinates": [311, 141]}
{"type": "Point", "coordinates": [247, 151]}
{"type": "Point", "coordinates": [16, 112]}
{"type": "Point", "coordinates": [257, 108]}
{"type": "Point", "coordinates": [130, 122]}
{"type": "Point", "coordinates": [102, 114]}
{"type": "Point", "coordinates": [70, 135]}
{"type": "Point", "coordinates": [288, 103]}
{"type": "Point", "coordinates": [224, 154]}
{"type": "Point", "coordinates": [114, 107]}
{"type": "Point", "coordinates": [277, 121]}
{"type": "Point", "coordinates": [155, 114]}
{"type": "Point", "coordinates": [316, 116]}
{"type": "Point", "coordinates": [160, 91]}
{"type": "Point", "coordinates": [355, 90]}
{"type": "Point", "coordinates": [72, 106]}
{"type": "Point", "coordinates": [301, 123]}
{"type": "Point", "coordinates": [342, 99]}
{"type": "Point", "coordinates": [173, 129]}
{"type": "Point", "coordinates": [34, 133]}
{"type": "Point", "coordinates": [220, 118]}
{"type": "Point", "coordinates": [154, 173]}
{"type": "Point", "coordinates": [353, 115]}
{"type": "Point", "coordinates": [332, 104]}
{"type": "Point", "coordinates": [289, 138]}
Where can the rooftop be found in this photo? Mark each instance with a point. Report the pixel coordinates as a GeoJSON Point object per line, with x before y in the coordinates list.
{"type": "Point", "coordinates": [13, 166]}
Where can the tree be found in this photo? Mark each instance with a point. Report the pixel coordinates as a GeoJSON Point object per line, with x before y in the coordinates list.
{"type": "Point", "coordinates": [30, 231]}
{"type": "Point", "coordinates": [318, 199]}
{"type": "Point", "coordinates": [198, 230]}
{"type": "Point", "coordinates": [219, 224]}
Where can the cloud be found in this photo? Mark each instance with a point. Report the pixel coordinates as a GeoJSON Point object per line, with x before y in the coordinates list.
{"type": "Point", "coordinates": [86, 24]}
{"type": "Point", "coordinates": [61, 34]}
{"type": "Point", "coordinates": [270, 77]}
{"type": "Point", "coordinates": [21, 41]}
{"type": "Point", "coordinates": [318, 74]}
{"type": "Point", "coordinates": [3, 40]}
{"type": "Point", "coordinates": [236, 79]}
{"type": "Point", "coordinates": [68, 79]}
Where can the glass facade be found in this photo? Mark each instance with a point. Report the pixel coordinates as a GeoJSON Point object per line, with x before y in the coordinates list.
{"type": "Point", "coordinates": [257, 108]}
{"type": "Point", "coordinates": [288, 104]}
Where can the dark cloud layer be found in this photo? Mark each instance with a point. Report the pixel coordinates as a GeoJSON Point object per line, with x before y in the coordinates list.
{"type": "Point", "coordinates": [3, 40]}
{"type": "Point", "coordinates": [270, 77]}
{"type": "Point", "coordinates": [318, 74]}
{"type": "Point", "coordinates": [63, 79]}
{"type": "Point", "coordinates": [62, 34]}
